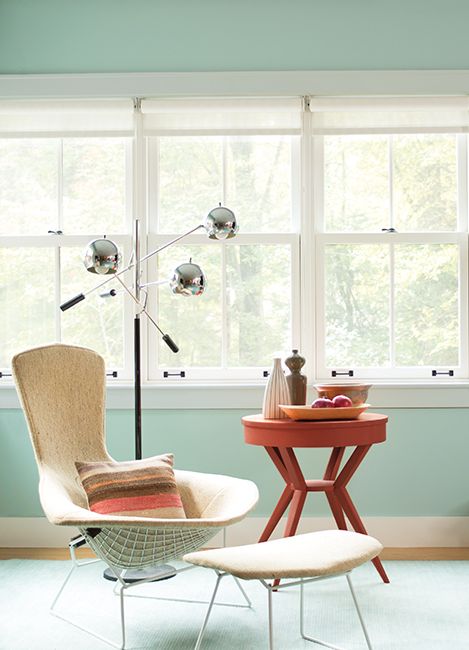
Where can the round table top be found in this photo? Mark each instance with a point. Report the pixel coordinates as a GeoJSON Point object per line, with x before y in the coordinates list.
{"type": "Point", "coordinates": [367, 429]}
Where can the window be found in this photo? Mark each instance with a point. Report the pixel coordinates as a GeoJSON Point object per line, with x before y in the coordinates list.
{"type": "Point", "coordinates": [61, 185]}
{"type": "Point", "coordinates": [353, 239]}
{"type": "Point", "coordinates": [391, 245]}
{"type": "Point", "coordinates": [247, 157]}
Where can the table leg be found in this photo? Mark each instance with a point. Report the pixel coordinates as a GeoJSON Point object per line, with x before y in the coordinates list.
{"type": "Point", "coordinates": [330, 474]}
{"type": "Point", "coordinates": [336, 510]}
{"type": "Point", "coordinates": [294, 514]}
{"type": "Point", "coordinates": [346, 502]}
{"type": "Point", "coordinates": [277, 514]}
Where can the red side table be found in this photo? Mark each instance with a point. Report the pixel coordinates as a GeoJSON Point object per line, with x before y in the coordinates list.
{"type": "Point", "coordinates": [280, 437]}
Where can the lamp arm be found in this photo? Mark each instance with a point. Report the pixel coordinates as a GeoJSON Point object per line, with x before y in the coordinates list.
{"type": "Point", "coordinates": [166, 338]}
{"type": "Point", "coordinates": [170, 243]}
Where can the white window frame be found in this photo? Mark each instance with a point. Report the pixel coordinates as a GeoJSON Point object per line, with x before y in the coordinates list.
{"type": "Point", "coordinates": [459, 237]}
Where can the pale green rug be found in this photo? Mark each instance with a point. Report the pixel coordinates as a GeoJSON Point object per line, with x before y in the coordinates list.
{"type": "Point", "coordinates": [426, 607]}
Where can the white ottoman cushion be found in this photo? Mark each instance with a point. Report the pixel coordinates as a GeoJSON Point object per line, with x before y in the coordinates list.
{"type": "Point", "coordinates": [314, 554]}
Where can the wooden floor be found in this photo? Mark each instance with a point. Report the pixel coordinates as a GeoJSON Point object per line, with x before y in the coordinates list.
{"type": "Point", "coordinates": [388, 553]}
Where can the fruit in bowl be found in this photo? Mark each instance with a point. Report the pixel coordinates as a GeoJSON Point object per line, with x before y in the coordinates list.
{"type": "Point", "coordinates": [339, 401]}
{"type": "Point", "coordinates": [342, 401]}
{"type": "Point", "coordinates": [322, 403]}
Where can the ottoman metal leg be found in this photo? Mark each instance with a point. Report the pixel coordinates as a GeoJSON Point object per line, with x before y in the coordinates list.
{"type": "Point", "coordinates": [274, 587]}
{"type": "Point", "coordinates": [323, 643]}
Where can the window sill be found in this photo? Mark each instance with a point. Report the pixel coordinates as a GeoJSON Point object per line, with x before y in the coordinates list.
{"type": "Point", "coordinates": [248, 396]}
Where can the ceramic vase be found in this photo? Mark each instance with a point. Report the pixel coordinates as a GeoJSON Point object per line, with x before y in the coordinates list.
{"type": "Point", "coordinates": [276, 392]}
{"type": "Point", "coordinates": [297, 382]}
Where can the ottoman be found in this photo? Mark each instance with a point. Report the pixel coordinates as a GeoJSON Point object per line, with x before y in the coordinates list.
{"type": "Point", "coordinates": [300, 559]}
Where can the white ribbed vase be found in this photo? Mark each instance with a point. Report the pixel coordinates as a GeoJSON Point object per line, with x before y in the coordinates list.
{"type": "Point", "coordinates": [276, 392]}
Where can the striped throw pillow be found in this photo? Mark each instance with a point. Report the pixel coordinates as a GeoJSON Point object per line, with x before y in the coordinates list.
{"type": "Point", "coordinates": [136, 488]}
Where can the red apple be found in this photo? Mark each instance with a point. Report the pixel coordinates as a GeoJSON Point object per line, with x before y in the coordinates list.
{"type": "Point", "coordinates": [341, 401]}
{"type": "Point", "coordinates": [322, 403]}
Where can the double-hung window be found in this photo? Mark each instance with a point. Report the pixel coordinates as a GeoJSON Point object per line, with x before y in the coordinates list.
{"type": "Point", "coordinates": [65, 179]}
{"type": "Point", "coordinates": [391, 237]}
{"type": "Point", "coordinates": [245, 154]}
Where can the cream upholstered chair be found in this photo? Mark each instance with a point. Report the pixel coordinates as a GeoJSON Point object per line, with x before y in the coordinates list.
{"type": "Point", "coordinates": [62, 391]}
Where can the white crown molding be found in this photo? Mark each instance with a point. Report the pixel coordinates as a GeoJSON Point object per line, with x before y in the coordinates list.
{"type": "Point", "coordinates": [256, 83]}
{"type": "Point", "coordinates": [418, 532]}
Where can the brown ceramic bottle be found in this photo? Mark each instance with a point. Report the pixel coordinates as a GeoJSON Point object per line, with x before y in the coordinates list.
{"type": "Point", "coordinates": [296, 381]}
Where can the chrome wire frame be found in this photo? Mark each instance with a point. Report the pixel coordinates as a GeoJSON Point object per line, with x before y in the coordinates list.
{"type": "Point", "coordinates": [275, 587]}
{"type": "Point", "coordinates": [120, 589]}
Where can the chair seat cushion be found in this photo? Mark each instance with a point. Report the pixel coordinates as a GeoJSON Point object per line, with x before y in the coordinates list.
{"type": "Point", "coordinates": [313, 554]}
{"type": "Point", "coordinates": [138, 488]}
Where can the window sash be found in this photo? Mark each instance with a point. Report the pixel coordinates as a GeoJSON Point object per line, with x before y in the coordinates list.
{"type": "Point", "coordinates": [323, 371]}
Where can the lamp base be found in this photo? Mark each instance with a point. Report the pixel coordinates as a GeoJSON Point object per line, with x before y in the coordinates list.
{"type": "Point", "coordinates": [149, 573]}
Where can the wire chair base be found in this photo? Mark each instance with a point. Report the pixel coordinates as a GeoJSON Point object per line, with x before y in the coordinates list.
{"type": "Point", "coordinates": [120, 589]}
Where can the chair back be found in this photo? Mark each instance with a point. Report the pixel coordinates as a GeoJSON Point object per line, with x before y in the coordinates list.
{"type": "Point", "coordinates": [62, 391]}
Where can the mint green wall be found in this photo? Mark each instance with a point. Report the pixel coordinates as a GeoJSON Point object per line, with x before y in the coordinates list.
{"type": "Point", "coordinates": [169, 35]}
{"type": "Point", "coordinates": [420, 470]}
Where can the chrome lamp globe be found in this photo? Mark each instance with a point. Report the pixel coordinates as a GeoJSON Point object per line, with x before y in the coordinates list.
{"type": "Point", "coordinates": [188, 280]}
{"type": "Point", "coordinates": [102, 256]}
{"type": "Point", "coordinates": [220, 223]}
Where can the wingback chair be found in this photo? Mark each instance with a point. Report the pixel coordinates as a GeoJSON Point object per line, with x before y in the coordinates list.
{"type": "Point", "coordinates": [62, 391]}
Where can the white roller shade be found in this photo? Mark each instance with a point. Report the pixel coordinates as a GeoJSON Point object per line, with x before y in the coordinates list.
{"type": "Point", "coordinates": [66, 117]}
{"type": "Point", "coordinates": [336, 115]}
{"type": "Point", "coordinates": [222, 115]}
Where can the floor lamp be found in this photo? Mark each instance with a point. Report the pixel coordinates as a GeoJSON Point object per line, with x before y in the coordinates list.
{"type": "Point", "coordinates": [103, 257]}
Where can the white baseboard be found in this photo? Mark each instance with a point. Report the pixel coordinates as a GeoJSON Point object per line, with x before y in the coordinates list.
{"type": "Point", "coordinates": [37, 532]}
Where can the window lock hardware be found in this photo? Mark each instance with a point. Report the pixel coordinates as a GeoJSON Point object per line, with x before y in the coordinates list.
{"type": "Point", "coordinates": [174, 374]}
{"type": "Point", "coordinates": [450, 373]}
{"type": "Point", "coordinates": [265, 373]}
{"type": "Point", "coordinates": [5, 374]}
{"type": "Point", "coordinates": [55, 232]}
{"type": "Point", "coordinates": [113, 373]}
{"type": "Point", "coordinates": [347, 373]}
{"type": "Point", "coordinates": [388, 230]}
